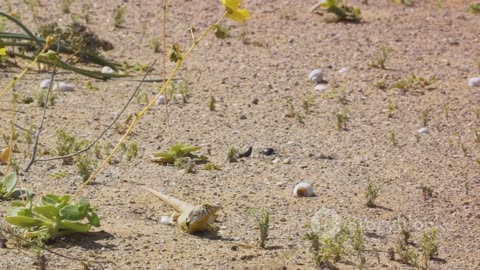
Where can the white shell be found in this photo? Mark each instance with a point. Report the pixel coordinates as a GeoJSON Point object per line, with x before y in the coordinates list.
{"type": "Point", "coordinates": [320, 87]}
{"type": "Point", "coordinates": [160, 100]}
{"type": "Point", "coordinates": [107, 70]}
{"type": "Point", "coordinates": [303, 189]}
{"type": "Point", "coordinates": [45, 84]}
{"type": "Point", "coordinates": [316, 76]}
{"type": "Point", "coordinates": [63, 87]}
{"type": "Point", "coordinates": [423, 130]}
{"type": "Point", "coordinates": [474, 82]}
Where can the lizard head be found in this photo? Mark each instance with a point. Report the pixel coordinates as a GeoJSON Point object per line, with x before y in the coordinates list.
{"type": "Point", "coordinates": [201, 219]}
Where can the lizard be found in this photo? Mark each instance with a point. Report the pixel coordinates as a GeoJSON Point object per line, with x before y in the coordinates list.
{"type": "Point", "coordinates": [190, 218]}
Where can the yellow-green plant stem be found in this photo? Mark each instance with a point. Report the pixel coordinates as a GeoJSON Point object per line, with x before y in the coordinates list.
{"type": "Point", "coordinates": [10, 142]}
{"type": "Point", "coordinates": [146, 108]}
{"type": "Point", "coordinates": [15, 79]}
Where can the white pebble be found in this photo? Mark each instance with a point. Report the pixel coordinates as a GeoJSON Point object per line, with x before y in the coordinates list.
{"type": "Point", "coordinates": [63, 87]}
{"type": "Point", "coordinates": [179, 97]}
{"type": "Point", "coordinates": [343, 70]}
{"type": "Point", "coordinates": [280, 184]}
{"type": "Point", "coordinates": [423, 130]}
{"type": "Point", "coordinates": [160, 100]}
{"type": "Point", "coordinates": [316, 76]}
{"type": "Point", "coordinates": [287, 161]}
{"type": "Point", "coordinates": [276, 160]}
{"type": "Point", "coordinates": [303, 189]}
{"type": "Point", "coordinates": [320, 87]}
{"type": "Point", "coordinates": [474, 82]}
{"type": "Point", "coordinates": [45, 83]}
{"type": "Point", "coordinates": [107, 70]}
{"type": "Point", "coordinates": [166, 220]}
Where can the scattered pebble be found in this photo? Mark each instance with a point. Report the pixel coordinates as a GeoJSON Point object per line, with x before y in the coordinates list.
{"type": "Point", "coordinates": [179, 97]}
{"type": "Point", "coordinates": [343, 70]}
{"type": "Point", "coordinates": [423, 130]}
{"type": "Point", "coordinates": [246, 153]}
{"type": "Point", "coordinates": [268, 151]}
{"type": "Point", "coordinates": [243, 117]}
{"type": "Point", "coordinates": [303, 189]}
{"type": "Point", "coordinates": [276, 160]}
{"type": "Point", "coordinates": [166, 220]}
{"type": "Point", "coordinates": [474, 82]}
{"type": "Point", "coordinates": [287, 161]}
{"type": "Point", "coordinates": [45, 83]}
{"type": "Point", "coordinates": [280, 184]}
{"type": "Point", "coordinates": [316, 76]}
{"type": "Point", "coordinates": [320, 87]}
{"type": "Point", "coordinates": [63, 87]}
{"type": "Point", "coordinates": [160, 100]}
{"type": "Point", "coordinates": [107, 70]}
{"type": "Point", "coordinates": [255, 101]}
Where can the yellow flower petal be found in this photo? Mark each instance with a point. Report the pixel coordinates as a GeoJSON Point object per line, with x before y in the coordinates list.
{"type": "Point", "coordinates": [231, 4]}
{"type": "Point", "coordinates": [3, 51]}
{"type": "Point", "coordinates": [239, 15]}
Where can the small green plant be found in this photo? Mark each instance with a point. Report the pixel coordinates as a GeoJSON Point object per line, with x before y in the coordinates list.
{"type": "Point", "coordinates": [86, 12]}
{"type": "Point", "coordinates": [307, 103]}
{"type": "Point", "coordinates": [327, 249]}
{"type": "Point", "coordinates": [211, 103]}
{"type": "Point", "coordinates": [341, 11]}
{"type": "Point", "coordinates": [177, 152]}
{"type": "Point", "coordinates": [427, 192]}
{"type": "Point", "coordinates": [291, 111]}
{"type": "Point", "coordinates": [221, 31]}
{"type": "Point", "coordinates": [476, 133]}
{"type": "Point", "coordinates": [406, 254]}
{"type": "Point", "coordinates": [380, 58]}
{"type": "Point", "coordinates": [446, 110]}
{"type": "Point", "coordinates": [211, 167]}
{"type": "Point", "coordinates": [52, 217]}
{"type": "Point", "coordinates": [232, 154]}
{"type": "Point", "coordinates": [425, 118]}
{"type": "Point", "coordinates": [67, 144]}
{"type": "Point", "coordinates": [371, 195]}
{"type": "Point", "coordinates": [7, 187]}
{"type": "Point", "coordinates": [358, 243]}
{"type": "Point", "coordinates": [85, 166]}
{"type": "Point", "coordinates": [121, 128]}
{"type": "Point", "coordinates": [65, 5]}
{"type": "Point", "coordinates": [428, 244]}
{"type": "Point", "coordinates": [132, 151]}
{"type": "Point", "coordinates": [413, 82]}
{"type": "Point", "coordinates": [155, 45]}
{"type": "Point", "coordinates": [262, 218]}
{"type": "Point", "coordinates": [405, 231]}
{"type": "Point", "coordinates": [342, 119]}
{"type": "Point", "coordinates": [41, 98]}
{"type": "Point", "coordinates": [89, 86]}
{"type": "Point", "coordinates": [475, 8]}
{"type": "Point", "coordinates": [118, 16]}
{"type": "Point", "coordinates": [390, 109]}
{"type": "Point", "coordinates": [393, 139]}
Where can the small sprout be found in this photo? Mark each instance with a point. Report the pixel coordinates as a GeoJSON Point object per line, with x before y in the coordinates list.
{"type": "Point", "coordinates": [427, 192]}
{"type": "Point", "coordinates": [475, 8]}
{"type": "Point", "coordinates": [477, 135]}
{"type": "Point", "coordinates": [446, 110]}
{"type": "Point", "coordinates": [211, 167]}
{"type": "Point", "coordinates": [404, 223]}
{"type": "Point", "coordinates": [406, 254]}
{"type": "Point", "coordinates": [358, 243]}
{"type": "Point", "coordinates": [425, 118]}
{"type": "Point", "coordinates": [371, 195]}
{"type": "Point", "coordinates": [118, 16]}
{"type": "Point", "coordinates": [232, 154]}
{"type": "Point", "coordinates": [428, 244]}
{"type": "Point", "coordinates": [413, 82]}
{"type": "Point", "coordinates": [307, 104]}
{"type": "Point", "coordinates": [155, 45]}
{"type": "Point", "coordinates": [262, 218]}
{"type": "Point", "coordinates": [85, 166]}
{"type": "Point", "coordinates": [221, 31]}
{"type": "Point", "coordinates": [380, 58]}
{"type": "Point", "coordinates": [175, 54]}
{"type": "Point", "coordinates": [393, 139]}
{"type": "Point", "coordinates": [342, 119]}
{"type": "Point", "coordinates": [341, 11]}
{"type": "Point", "coordinates": [41, 98]}
{"type": "Point", "coordinates": [211, 103]}
{"type": "Point", "coordinates": [390, 108]}
{"type": "Point", "coordinates": [89, 86]}
{"type": "Point", "coordinates": [132, 151]}
{"type": "Point", "coordinates": [66, 144]}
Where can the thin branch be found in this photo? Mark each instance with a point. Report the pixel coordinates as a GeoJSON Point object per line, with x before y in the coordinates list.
{"type": "Point", "coordinates": [110, 126]}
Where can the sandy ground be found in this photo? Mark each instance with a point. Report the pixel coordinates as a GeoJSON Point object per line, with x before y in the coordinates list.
{"type": "Point", "coordinates": [269, 59]}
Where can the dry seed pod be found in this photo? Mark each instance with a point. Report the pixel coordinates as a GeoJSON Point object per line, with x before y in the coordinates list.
{"type": "Point", "coordinates": [303, 189]}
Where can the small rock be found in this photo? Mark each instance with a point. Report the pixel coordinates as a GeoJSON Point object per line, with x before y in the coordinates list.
{"type": "Point", "coordinates": [45, 84]}
{"type": "Point", "coordinates": [316, 76]}
{"type": "Point", "coordinates": [166, 220]}
{"type": "Point", "coordinates": [423, 130]}
{"type": "Point", "coordinates": [179, 97]}
{"type": "Point", "coordinates": [234, 248]}
{"type": "Point", "coordinates": [63, 87]}
{"type": "Point", "coordinates": [320, 87]}
{"type": "Point", "coordinates": [474, 82]}
{"type": "Point", "coordinates": [287, 161]}
{"type": "Point", "coordinates": [268, 151]}
{"type": "Point", "coordinates": [255, 101]}
{"type": "Point", "coordinates": [280, 184]}
{"type": "Point", "coordinates": [303, 189]}
{"type": "Point", "coordinates": [246, 153]}
{"type": "Point", "coordinates": [107, 70]}
{"type": "Point", "coordinates": [243, 117]}
{"type": "Point", "coordinates": [276, 160]}
{"type": "Point", "coordinates": [160, 100]}
{"type": "Point", "coordinates": [283, 219]}
{"type": "Point", "coordinates": [236, 238]}
{"type": "Point", "coordinates": [343, 70]}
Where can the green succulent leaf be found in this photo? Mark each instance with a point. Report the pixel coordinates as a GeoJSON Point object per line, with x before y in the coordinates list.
{"type": "Point", "coordinates": [71, 212]}
{"type": "Point", "coordinates": [9, 183]}
{"type": "Point", "coordinates": [23, 221]}
{"type": "Point", "coordinates": [48, 211]}
{"type": "Point", "coordinates": [93, 219]}
{"type": "Point", "coordinates": [75, 226]}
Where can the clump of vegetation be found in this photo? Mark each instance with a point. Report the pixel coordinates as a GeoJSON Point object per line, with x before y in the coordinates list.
{"type": "Point", "coordinates": [406, 254]}
{"type": "Point", "coordinates": [262, 218]}
{"type": "Point", "coordinates": [232, 154]}
{"type": "Point", "coordinates": [342, 11]}
{"type": "Point", "coordinates": [371, 195]}
{"type": "Point", "coordinates": [428, 244]}
{"type": "Point", "coordinates": [85, 166]}
{"type": "Point", "coordinates": [181, 156]}
{"type": "Point", "coordinates": [41, 98]}
{"type": "Point", "coordinates": [427, 192]}
{"type": "Point", "coordinates": [413, 82]}
{"type": "Point", "coordinates": [118, 16]}
{"type": "Point", "coordinates": [307, 104]}
{"type": "Point", "coordinates": [342, 119]}
{"type": "Point", "coordinates": [155, 45]}
{"type": "Point", "coordinates": [425, 117]}
{"type": "Point", "coordinates": [52, 217]}
{"type": "Point", "coordinates": [390, 109]}
{"type": "Point", "coordinates": [380, 58]}
{"type": "Point", "coordinates": [475, 8]}
{"type": "Point", "coordinates": [67, 144]}
{"type": "Point", "coordinates": [210, 166]}
{"type": "Point", "coordinates": [291, 111]}
{"type": "Point", "coordinates": [405, 231]}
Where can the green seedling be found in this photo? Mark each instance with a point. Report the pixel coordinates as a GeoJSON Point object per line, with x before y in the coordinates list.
{"type": "Point", "coordinates": [406, 254]}
{"type": "Point", "coordinates": [307, 104]}
{"type": "Point", "coordinates": [390, 109]}
{"type": "Point", "coordinates": [475, 8]}
{"type": "Point", "coordinates": [428, 244]}
{"type": "Point", "coordinates": [371, 195]}
{"type": "Point", "coordinates": [52, 217]}
{"type": "Point", "coordinates": [155, 43]}
{"type": "Point", "coordinates": [177, 152]}
{"type": "Point", "coordinates": [342, 119]}
{"type": "Point", "coordinates": [413, 82]}
{"type": "Point", "coordinates": [211, 167]}
{"type": "Point", "coordinates": [121, 128]}
{"type": "Point", "coordinates": [41, 98]}
{"type": "Point", "coordinates": [118, 16]}
{"type": "Point", "coordinates": [425, 118]}
{"type": "Point", "coordinates": [380, 58]}
{"type": "Point", "coordinates": [89, 86]}
{"type": "Point", "coordinates": [262, 218]}
{"type": "Point", "coordinates": [342, 11]}
{"type": "Point", "coordinates": [85, 166]}
{"type": "Point", "coordinates": [358, 243]}
{"type": "Point", "coordinates": [7, 187]}
{"type": "Point", "coordinates": [393, 139]}
{"type": "Point", "coordinates": [446, 110]}
{"type": "Point", "coordinates": [328, 249]}
{"type": "Point", "coordinates": [232, 154]}
{"type": "Point", "coordinates": [291, 111]}
{"type": "Point", "coordinates": [211, 103]}
{"type": "Point", "coordinates": [68, 144]}
{"type": "Point", "coordinates": [132, 151]}
{"type": "Point", "coordinates": [221, 31]}
{"type": "Point", "coordinates": [405, 232]}
{"type": "Point", "coordinates": [427, 192]}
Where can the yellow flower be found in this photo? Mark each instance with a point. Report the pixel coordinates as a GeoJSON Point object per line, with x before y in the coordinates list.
{"type": "Point", "coordinates": [3, 52]}
{"type": "Point", "coordinates": [235, 13]}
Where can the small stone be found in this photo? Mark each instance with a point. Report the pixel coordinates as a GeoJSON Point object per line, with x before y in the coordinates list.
{"type": "Point", "coordinates": [343, 70]}
{"type": "Point", "coordinates": [166, 220]}
{"type": "Point", "coordinates": [320, 87]}
{"type": "Point", "coordinates": [303, 189]}
{"type": "Point", "coordinates": [283, 219]}
{"type": "Point", "coordinates": [107, 70]}
{"type": "Point", "coordinates": [236, 238]}
{"type": "Point", "coordinates": [45, 84]}
{"type": "Point", "coordinates": [474, 82]}
{"type": "Point", "coordinates": [316, 76]}
{"type": "Point", "coordinates": [276, 160]}
{"type": "Point", "coordinates": [255, 101]}
{"type": "Point", "coordinates": [268, 151]}
{"type": "Point", "coordinates": [160, 100]}
{"type": "Point", "coordinates": [280, 184]}
{"type": "Point", "coordinates": [243, 117]}
{"type": "Point", "coordinates": [246, 153]}
{"type": "Point", "coordinates": [63, 87]}
{"type": "Point", "coordinates": [234, 247]}
{"type": "Point", "coordinates": [423, 130]}
{"type": "Point", "coordinates": [287, 161]}
{"type": "Point", "coordinates": [179, 97]}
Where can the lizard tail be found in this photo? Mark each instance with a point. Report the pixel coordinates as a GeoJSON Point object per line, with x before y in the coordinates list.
{"type": "Point", "coordinates": [177, 204]}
